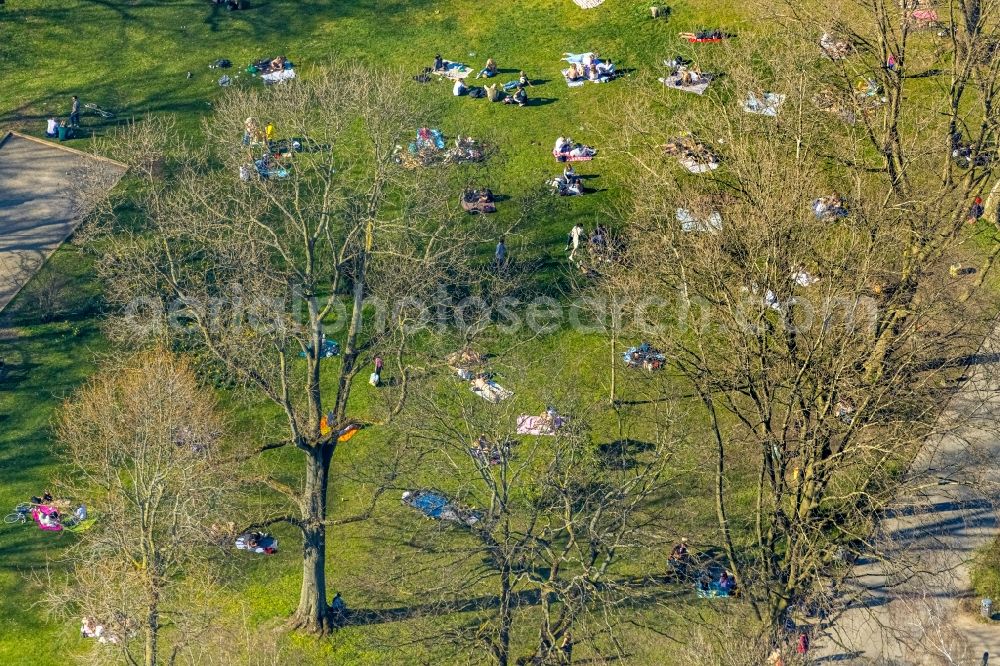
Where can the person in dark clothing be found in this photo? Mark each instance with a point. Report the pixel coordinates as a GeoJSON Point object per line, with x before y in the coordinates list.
{"type": "Point", "coordinates": [500, 256]}
{"type": "Point", "coordinates": [976, 211]}
{"type": "Point", "coordinates": [74, 113]}
{"type": "Point", "coordinates": [438, 63]}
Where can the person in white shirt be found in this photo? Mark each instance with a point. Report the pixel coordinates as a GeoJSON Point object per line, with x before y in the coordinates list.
{"type": "Point", "coordinates": [574, 239]}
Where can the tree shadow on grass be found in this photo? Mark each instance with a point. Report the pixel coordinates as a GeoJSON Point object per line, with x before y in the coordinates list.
{"type": "Point", "coordinates": [365, 617]}
{"type": "Point", "coordinates": [623, 453]}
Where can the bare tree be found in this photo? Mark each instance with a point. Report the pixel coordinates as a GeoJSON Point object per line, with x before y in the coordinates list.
{"type": "Point", "coordinates": [562, 525]}
{"type": "Point", "coordinates": [141, 440]}
{"type": "Point", "coordinates": [819, 325]}
{"type": "Point", "coordinates": [249, 261]}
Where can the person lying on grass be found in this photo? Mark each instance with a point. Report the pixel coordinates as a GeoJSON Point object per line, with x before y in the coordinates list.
{"type": "Point", "coordinates": [566, 146]}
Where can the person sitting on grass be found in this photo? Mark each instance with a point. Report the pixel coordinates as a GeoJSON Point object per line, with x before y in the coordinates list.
{"type": "Point", "coordinates": [976, 212]}
{"type": "Point", "coordinates": [50, 519]}
{"type": "Point", "coordinates": [493, 93]}
{"type": "Point", "coordinates": [679, 558]}
{"type": "Point", "coordinates": [520, 97]}
{"type": "Point", "coordinates": [337, 605]}
{"type": "Point", "coordinates": [276, 65]}
{"type": "Point", "coordinates": [489, 71]}
{"type": "Point", "coordinates": [523, 80]}
{"type": "Point", "coordinates": [574, 73]}
{"type": "Point", "coordinates": [680, 551]}
{"type": "Point", "coordinates": [438, 63]}
{"type": "Point", "coordinates": [459, 88]}
{"type": "Point", "coordinates": [251, 132]}
{"type": "Point", "coordinates": [726, 583]}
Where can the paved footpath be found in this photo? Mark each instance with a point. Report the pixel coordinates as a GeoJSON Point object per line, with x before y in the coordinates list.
{"type": "Point", "coordinates": [914, 618]}
{"type": "Point", "coordinates": [37, 211]}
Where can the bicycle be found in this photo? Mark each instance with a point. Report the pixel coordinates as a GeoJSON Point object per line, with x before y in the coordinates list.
{"type": "Point", "coordinates": [20, 515]}
{"type": "Point", "coordinates": [103, 113]}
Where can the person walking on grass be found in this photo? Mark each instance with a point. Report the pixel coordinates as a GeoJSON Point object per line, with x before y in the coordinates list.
{"type": "Point", "coordinates": [74, 112]}
{"type": "Point", "coordinates": [500, 256]}
{"type": "Point", "coordinates": [575, 234]}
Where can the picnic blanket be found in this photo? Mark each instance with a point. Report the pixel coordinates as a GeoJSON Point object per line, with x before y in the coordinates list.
{"type": "Point", "coordinates": [45, 510]}
{"type": "Point", "coordinates": [438, 507]}
{"type": "Point", "coordinates": [603, 74]}
{"type": "Point", "coordinates": [528, 424]}
{"type": "Point", "coordinates": [835, 49]}
{"type": "Point", "coordinates": [278, 77]}
{"type": "Point", "coordinates": [703, 36]}
{"type": "Point", "coordinates": [570, 82]}
{"type": "Point", "coordinates": [924, 15]}
{"type": "Point", "coordinates": [694, 166]}
{"type": "Point", "coordinates": [689, 223]}
{"type": "Point", "coordinates": [328, 349]}
{"type": "Point", "coordinates": [428, 138]}
{"type": "Point", "coordinates": [644, 356]}
{"type": "Point", "coordinates": [266, 544]}
{"type": "Point", "coordinates": [588, 4]}
{"type": "Point", "coordinates": [767, 105]}
{"type": "Point", "coordinates": [804, 279]}
{"type": "Point", "coordinates": [490, 391]}
{"type": "Point", "coordinates": [674, 81]}
{"type": "Point", "coordinates": [714, 591]}
{"type": "Point", "coordinates": [268, 171]}
{"type": "Point", "coordinates": [566, 157]}
{"type": "Point", "coordinates": [454, 70]}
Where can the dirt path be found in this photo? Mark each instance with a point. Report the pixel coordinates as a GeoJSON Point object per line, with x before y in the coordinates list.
{"type": "Point", "coordinates": [37, 211]}
{"type": "Point", "coordinates": [913, 617]}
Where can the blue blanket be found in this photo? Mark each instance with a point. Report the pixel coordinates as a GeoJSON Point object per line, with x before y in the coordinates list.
{"type": "Point", "coordinates": [430, 504]}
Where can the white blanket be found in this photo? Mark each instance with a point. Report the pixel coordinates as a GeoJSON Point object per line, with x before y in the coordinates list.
{"type": "Point", "coordinates": [697, 167]}
{"type": "Point", "coordinates": [674, 81]}
{"type": "Point", "coordinates": [279, 76]}
{"type": "Point", "coordinates": [491, 391]}
{"type": "Point", "coordinates": [769, 105]}
{"type": "Point", "coordinates": [689, 223]}
{"type": "Point", "coordinates": [588, 4]}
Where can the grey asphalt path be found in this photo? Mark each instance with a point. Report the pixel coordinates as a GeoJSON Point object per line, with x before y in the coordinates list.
{"type": "Point", "coordinates": [908, 611]}
{"type": "Point", "coordinates": [37, 207]}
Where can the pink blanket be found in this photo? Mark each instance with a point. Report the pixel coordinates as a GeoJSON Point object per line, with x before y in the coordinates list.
{"type": "Point", "coordinates": [925, 15]}
{"type": "Point", "coordinates": [45, 510]}
{"type": "Point", "coordinates": [572, 158]}
{"type": "Point", "coordinates": [537, 425]}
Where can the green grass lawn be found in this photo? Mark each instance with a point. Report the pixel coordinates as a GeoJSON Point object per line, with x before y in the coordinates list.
{"type": "Point", "coordinates": [133, 56]}
{"type": "Point", "coordinates": [46, 357]}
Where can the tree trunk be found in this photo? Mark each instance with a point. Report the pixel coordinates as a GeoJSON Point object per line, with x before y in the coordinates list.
{"type": "Point", "coordinates": [152, 631]}
{"type": "Point", "coordinates": [502, 651]}
{"type": "Point", "coordinates": [313, 613]}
